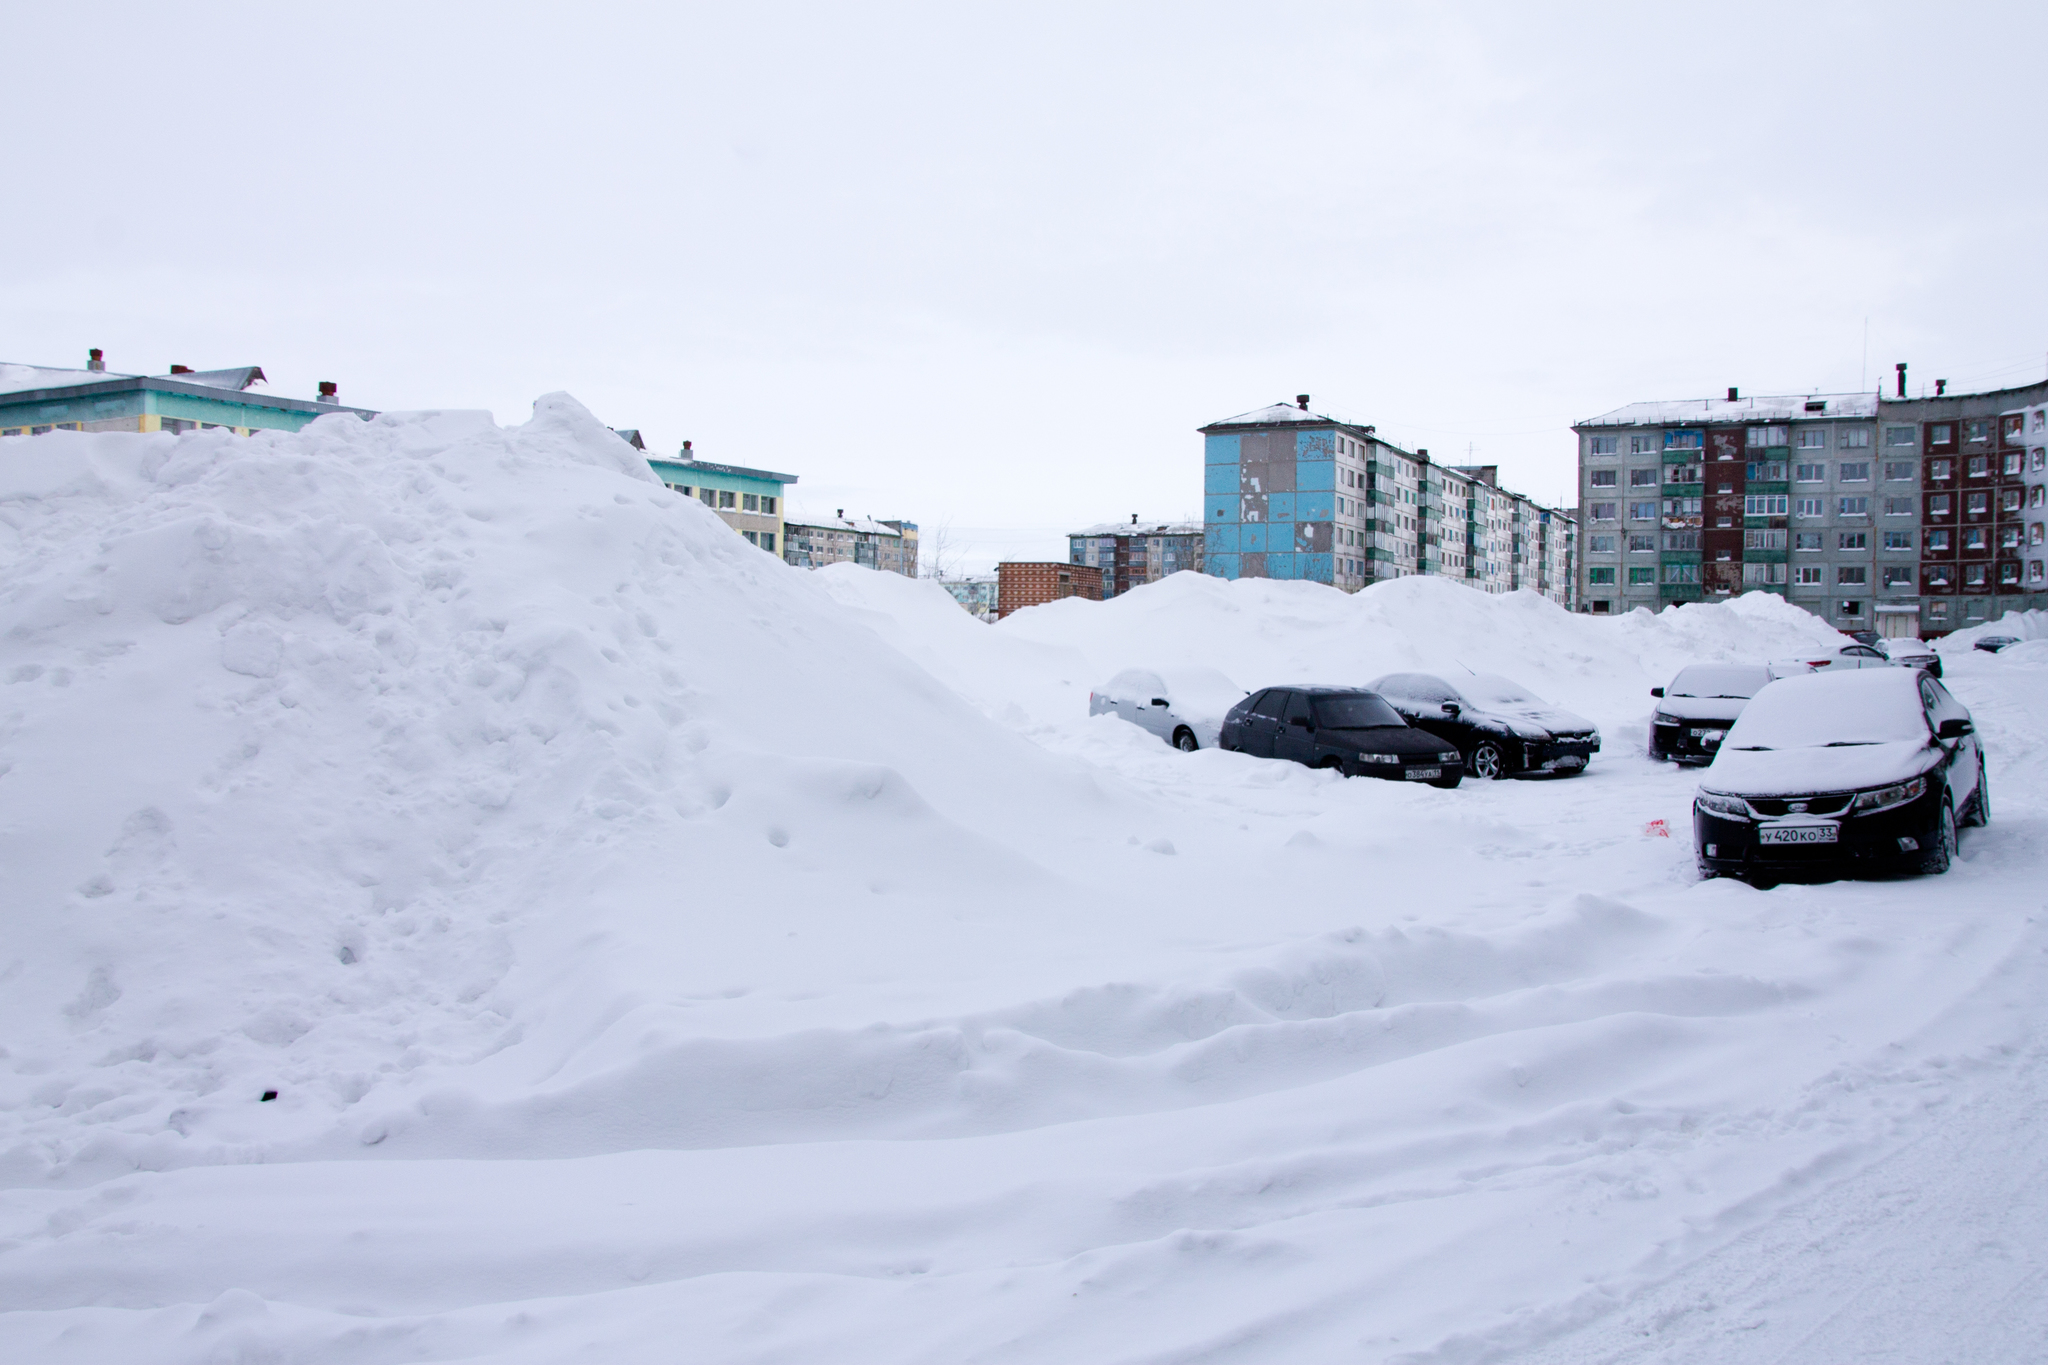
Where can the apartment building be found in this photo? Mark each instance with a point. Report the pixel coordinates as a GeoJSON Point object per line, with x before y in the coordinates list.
{"type": "Point", "coordinates": [1894, 515]}
{"type": "Point", "coordinates": [1028, 583]}
{"type": "Point", "coordinates": [1132, 554]}
{"type": "Point", "coordinates": [812, 542]}
{"type": "Point", "coordinates": [748, 500]}
{"type": "Point", "coordinates": [1291, 493]}
{"type": "Point", "coordinates": [2028, 429]}
{"type": "Point", "coordinates": [38, 398]}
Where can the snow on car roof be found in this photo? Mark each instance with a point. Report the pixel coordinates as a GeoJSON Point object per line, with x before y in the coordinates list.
{"type": "Point", "coordinates": [1814, 710]}
{"type": "Point", "coordinates": [1719, 680]}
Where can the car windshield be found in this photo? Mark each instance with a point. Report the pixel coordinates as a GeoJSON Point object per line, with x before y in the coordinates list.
{"type": "Point", "coordinates": [1491, 689]}
{"type": "Point", "coordinates": [1823, 711]}
{"type": "Point", "coordinates": [1355, 711]}
{"type": "Point", "coordinates": [1719, 680]}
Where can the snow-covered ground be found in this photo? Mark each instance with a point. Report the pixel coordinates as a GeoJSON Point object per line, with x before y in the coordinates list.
{"type": "Point", "coordinates": [657, 953]}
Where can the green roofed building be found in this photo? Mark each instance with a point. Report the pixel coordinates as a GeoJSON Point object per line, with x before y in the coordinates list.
{"type": "Point", "coordinates": [35, 399]}
{"type": "Point", "coordinates": [749, 500]}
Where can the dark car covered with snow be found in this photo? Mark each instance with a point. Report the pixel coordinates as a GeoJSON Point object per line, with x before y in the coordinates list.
{"type": "Point", "coordinates": [1831, 773]}
{"type": "Point", "coordinates": [1696, 708]}
{"type": "Point", "coordinates": [1501, 728]}
{"type": "Point", "coordinates": [1344, 728]}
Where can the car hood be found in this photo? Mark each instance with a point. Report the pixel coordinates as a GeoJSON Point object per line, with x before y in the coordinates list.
{"type": "Point", "coordinates": [1385, 739]}
{"type": "Point", "coordinates": [1555, 719]}
{"type": "Point", "coordinates": [1703, 708]}
{"type": "Point", "coordinates": [1795, 772]}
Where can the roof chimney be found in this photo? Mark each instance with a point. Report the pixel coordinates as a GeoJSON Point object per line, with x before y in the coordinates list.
{"type": "Point", "coordinates": [1134, 518]}
{"type": "Point", "coordinates": [1301, 401]}
{"type": "Point", "coordinates": [1940, 387]}
{"type": "Point", "coordinates": [841, 514]}
{"type": "Point", "coordinates": [1901, 368]}
{"type": "Point", "coordinates": [1370, 430]}
{"type": "Point", "coordinates": [181, 369]}
{"type": "Point", "coordinates": [686, 451]}
{"type": "Point", "coordinates": [95, 359]}
{"type": "Point", "coordinates": [328, 391]}
{"type": "Point", "coordinates": [1734, 395]}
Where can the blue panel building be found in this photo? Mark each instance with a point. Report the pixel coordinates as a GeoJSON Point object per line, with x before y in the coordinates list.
{"type": "Point", "coordinates": [1291, 493]}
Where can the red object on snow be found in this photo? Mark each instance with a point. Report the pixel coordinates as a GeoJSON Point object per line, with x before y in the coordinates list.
{"type": "Point", "coordinates": [1657, 829]}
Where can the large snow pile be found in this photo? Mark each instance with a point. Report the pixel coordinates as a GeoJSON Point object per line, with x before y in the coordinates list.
{"type": "Point", "coordinates": [654, 950]}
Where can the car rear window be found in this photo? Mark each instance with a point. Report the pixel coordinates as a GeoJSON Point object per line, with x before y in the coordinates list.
{"type": "Point", "coordinates": [1355, 711]}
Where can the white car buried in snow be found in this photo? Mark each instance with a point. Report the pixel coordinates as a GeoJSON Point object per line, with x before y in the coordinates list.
{"type": "Point", "coordinates": [1183, 706]}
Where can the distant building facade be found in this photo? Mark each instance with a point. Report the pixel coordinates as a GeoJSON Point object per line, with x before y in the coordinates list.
{"type": "Point", "coordinates": [812, 542]}
{"type": "Point", "coordinates": [2027, 428]}
{"type": "Point", "coordinates": [1022, 584]}
{"type": "Point", "coordinates": [976, 595]}
{"type": "Point", "coordinates": [748, 500]}
{"type": "Point", "coordinates": [1907, 516]}
{"type": "Point", "coordinates": [1132, 554]}
{"type": "Point", "coordinates": [1290, 493]}
{"type": "Point", "coordinates": [35, 399]}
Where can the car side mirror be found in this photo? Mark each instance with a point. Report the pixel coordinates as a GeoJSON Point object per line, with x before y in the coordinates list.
{"type": "Point", "coordinates": [1159, 701]}
{"type": "Point", "coordinates": [1954, 729]}
{"type": "Point", "coordinates": [1656, 691]}
{"type": "Point", "coordinates": [1452, 709]}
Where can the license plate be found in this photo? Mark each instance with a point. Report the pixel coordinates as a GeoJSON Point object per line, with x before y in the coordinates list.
{"type": "Point", "coordinates": [1419, 774]}
{"type": "Point", "coordinates": [1798, 834]}
{"type": "Point", "coordinates": [1715, 735]}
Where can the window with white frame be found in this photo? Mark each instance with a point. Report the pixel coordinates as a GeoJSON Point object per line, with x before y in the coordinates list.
{"type": "Point", "coordinates": [1898, 540]}
{"type": "Point", "coordinates": [1806, 540]}
{"type": "Point", "coordinates": [1806, 575]}
{"type": "Point", "coordinates": [1853, 507]}
{"type": "Point", "coordinates": [1643, 478]}
{"type": "Point", "coordinates": [1854, 438]}
{"type": "Point", "coordinates": [1898, 436]}
{"type": "Point", "coordinates": [1854, 471]}
{"type": "Point", "coordinates": [1642, 542]}
{"type": "Point", "coordinates": [1898, 471]}
{"type": "Point", "coordinates": [1810, 473]}
{"type": "Point", "coordinates": [1813, 438]}
{"type": "Point", "coordinates": [1602, 445]}
{"type": "Point", "coordinates": [1810, 507]}
{"type": "Point", "coordinates": [1643, 444]}
{"type": "Point", "coordinates": [1851, 575]}
{"type": "Point", "coordinates": [1762, 437]}
{"type": "Point", "coordinates": [1603, 478]}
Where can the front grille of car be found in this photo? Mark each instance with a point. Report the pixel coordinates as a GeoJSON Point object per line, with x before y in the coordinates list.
{"type": "Point", "coordinates": [1774, 806]}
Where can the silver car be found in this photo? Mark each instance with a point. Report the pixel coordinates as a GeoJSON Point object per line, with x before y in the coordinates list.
{"type": "Point", "coordinates": [1183, 706]}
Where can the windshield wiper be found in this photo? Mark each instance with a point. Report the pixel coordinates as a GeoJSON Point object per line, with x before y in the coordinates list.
{"type": "Point", "coordinates": [1847, 743]}
{"type": "Point", "coordinates": [1754, 749]}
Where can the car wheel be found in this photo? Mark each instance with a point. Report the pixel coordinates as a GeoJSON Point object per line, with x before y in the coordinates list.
{"type": "Point", "coordinates": [1448, 783]}
{"type": "Point", "coordinates": [1944, 850]}
{"type": "Point", "coordinates": [1184, 740]}
{"type": "Point", "coordinates": [1980, 801]}
{"type": "Point", "coordinates": [1488, 761]}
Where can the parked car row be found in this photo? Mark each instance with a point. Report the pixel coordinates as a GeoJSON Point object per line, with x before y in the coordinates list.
{"type": "Point", "coordinates": [1405, 726]}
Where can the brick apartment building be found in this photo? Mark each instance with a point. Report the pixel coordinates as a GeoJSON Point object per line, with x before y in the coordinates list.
{"type": "Point", "coordinates": [1132, 554]}
{"type": "Point", "coordinates": [1026, 583]}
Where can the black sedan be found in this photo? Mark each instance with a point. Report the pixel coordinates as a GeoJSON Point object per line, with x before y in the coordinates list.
{"type": "Point", "coordinates": [1695, 711]}
{"type": "Point", "coordinates": [1832, 773]}
{"type": "Point", "coordinates": [1500, 727]}
{"type": "Point", "coordinates": [1344, 728]}
{"type": "Point", "coordinates": [1991, 644]}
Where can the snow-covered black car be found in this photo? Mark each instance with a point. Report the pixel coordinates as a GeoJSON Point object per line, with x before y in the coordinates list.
{"type": "Point", "coordinates": [1344, 728]}
{"type": "Point", "coordinates": [1834, 772]}
{"type": "Point", "coordinates": [1991, 644]}
{"type": "Point", "coordinates": [1694, 712]}
{"type": "Point", "coordinates": [1500, 727]}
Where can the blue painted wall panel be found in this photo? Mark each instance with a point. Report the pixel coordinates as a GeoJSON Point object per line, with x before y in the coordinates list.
{"type": "Point", "coordinates": [1279, 507]}
{"type": "Point", "coordinates": [1221, 449]}
{"type": "Point", "coordinates": [1317, 568]}
{"type": "Point", "coordinates": [1315, 474]}
{"type": "Point", "coordinates": [1221, 565]}
{"type": "Point", "coordinates": [1315, 445]}
{"type": "Point", "coordinates": [1219, 509]}
{"type": "Point", "coordinates": [1251, 537]}
{"type": "Point", "coordinates": [1219, 478]}
{"type": "Point", "coordinates": [1315, 506]}
{"type": "Point", "coordinates": [1283, 565]}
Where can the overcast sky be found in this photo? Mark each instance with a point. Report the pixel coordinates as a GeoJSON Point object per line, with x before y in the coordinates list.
{"type": "Point", "coordinates": [989, 267]}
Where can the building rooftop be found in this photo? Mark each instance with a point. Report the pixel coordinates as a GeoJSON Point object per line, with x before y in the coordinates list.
{"type": "Point", "coordinates": [1142, 528]}
{"type": "Point", "coordinates": [737, 470]}
{"type": "Point", "coordinates": [862, 525]}
{"type": "Point", "coordinates": [1676, 412]}
{"type": "Point", "coordinates": [26, 378]}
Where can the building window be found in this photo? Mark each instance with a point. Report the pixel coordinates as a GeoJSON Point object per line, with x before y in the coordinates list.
{"type": "Point", "coordinates": [1898, 507]}
{"type": "Point", "coordinates": [1938, 575]}
{"type": "Point", "coordinates": [1682, 473]}
{"type": "Point", "coordinates": [750, 502]}
{"type": "Point", "coordinates": [1684, 540]}
{"type": "Point", "coordinates": [1937, 611]}
{"type": "Point", "coordinates": [1976, 575]}
{"type": "Point", "coordinates": [1855, 471]}
{"type": "Point", "coordinates": [752, 539]}
{"type": "Point", "coordinates": [2009, 499]}
{"type": "Point", "coordinates": [2034, 574]}
{"type": "Point", "coordinates": [1763, 437]}
{"type": "Point", "coordinates": [1681, 440]}
{"type": "Point", "coordinates": [1806, 540]}
{"type": "Point", "coordinates": [1898, 540]}
{"type": "Point", "coordinates": [1853, 507]}
{"type": "Point", "coordinates": [2037, 459]}
{"type": "Point", "coordinates": [1768, 471]}
{"type": "Point", "coordinates": [1642, 478]}
{"type": "Point", "coordinates": [1682, 507]}
{"type": "Point", "coordinates": [725, 500]}
{"type": "Point", "coordinates": [1898, 576]}
{"type": "Point", "coordinates": [1764, 504]}
{"type": "Point", "coordinates": [2009, 538]}
{"type": "Point", "coordinates": [768, 541]}
{"type": "Point", "coordinates": [1977, 504]}
{"type": "Point", "coordinates": [1809, 507]}
{"type": "Point", "coordinates": [1937, 538]}
{"type": "Point", "coordinates": [1600, 545]}
{"type": "Point", "coordinates": [1763, 573]}
{"type": "Point", "coordinates": [1974, 432]}
{"type": "Point", "coordinates": [2034, 533]}
{"type": "Point", "coordinates": [1938, 505]}
{"type": "Point", "coordinates": [1681, 573]}
{"type": "Point", "coordinates": [1898, 436]}
{"type": "Point", "coordinates": [1604, 478]}
{"type": "Point", "coordinates": [1642, 511]}
{"type": "Point", "coordinates": [1897, 470]}
{"type": "Point", "coordinates": [1640, 542]}
{"type": "Point", "coordinates": [2012, 462]}
{"type": "Point", "coordinates": [1642, 445]}
{"type": "Point", "coordinates": [1848, 574]}
{"type": "Point", "coordinates": [1858, 438]}
{"type": "Point", "coordinates": [2035, 495]}
{"type": "Point", "coordinates": [768, 505]}
{"type": "Point", "coordinates": [1940, 469]}
{"type": "Point", "coordinates": [708, 496]}
{"type": "Point", "coordinates": [1813, 438]}
{"type": "Point", "coordinates": [1807, 575]}
{"type": "Point", "coordinates": [1763, 540]}
{"type": "Point", "coordinates": [1600, 574]}
{"type": "Point", "coordinates": [1602, 445]}
{"type": "Point", "coordinates": [1849, 607]}
{"type": "Point", "coordinates": [1811, 473]}
{"type": "Point", "coordinates": [1645, 574]}
{"type": "Point", "coordinates": [1853, 540]}
{"type": "Point", "coordinates": [1941, 434]}
{"type": "Point", "coordinates": [1980, 466]}
{"type": "Point", "coordinates": [1973, 538]}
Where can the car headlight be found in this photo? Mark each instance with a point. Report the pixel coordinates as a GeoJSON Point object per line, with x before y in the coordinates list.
{"type": "Point", "coordinates": [1451, 757]}
{"type": "Point", "coordinates": [1663, 718]}
{"type": "Point", "coordinates": [1733, 807]}
{"type": "Point", "coordinates": [1379, 758]}
{"type": "Point", "coordinates": [1886, 798]}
